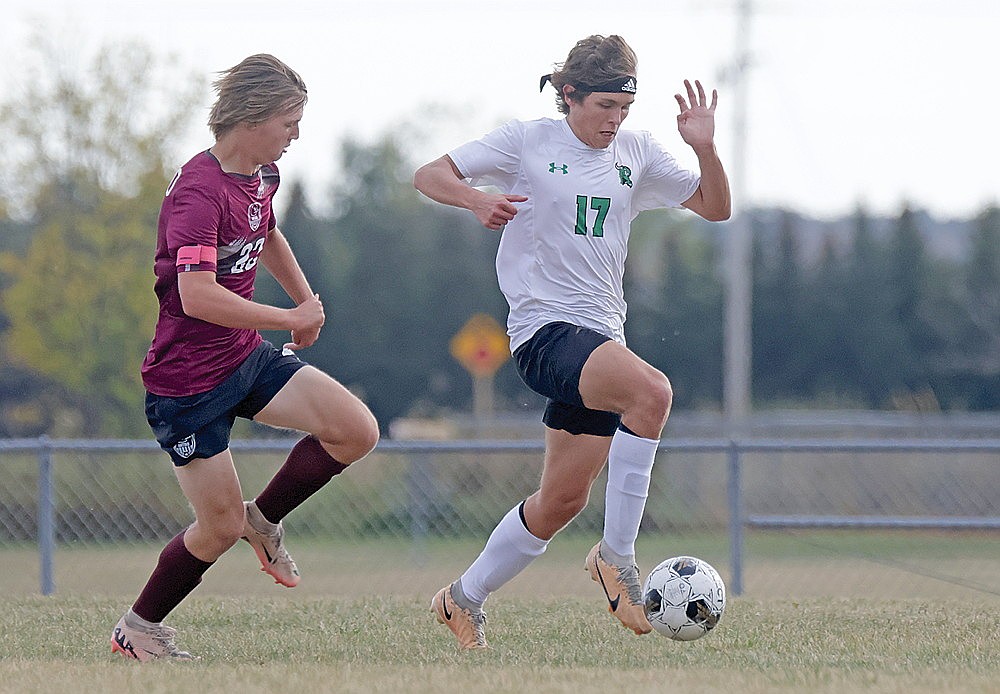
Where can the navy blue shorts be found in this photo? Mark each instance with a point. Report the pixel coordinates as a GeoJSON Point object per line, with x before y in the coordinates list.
{"type": "Point", "coordinates": [198, 426]}
{"type": "Point", "coordinates": [550, 363]}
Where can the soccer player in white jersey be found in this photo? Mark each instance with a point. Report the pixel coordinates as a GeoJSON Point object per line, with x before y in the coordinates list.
{"type": "Point", "coordinates": [570, 188]}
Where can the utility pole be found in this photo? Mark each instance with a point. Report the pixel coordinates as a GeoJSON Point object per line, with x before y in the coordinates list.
{"type": "Point", "coordinates": [738, 269]}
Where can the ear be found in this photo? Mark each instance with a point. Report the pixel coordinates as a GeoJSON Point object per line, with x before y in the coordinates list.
{"type": "Point", "coordinates": [567, 92]}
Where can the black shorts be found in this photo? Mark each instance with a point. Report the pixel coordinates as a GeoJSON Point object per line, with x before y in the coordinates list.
{"type": "Point", "coordinates": [550, 363]}
{"type": "Point", "coordinates": [198, 426]}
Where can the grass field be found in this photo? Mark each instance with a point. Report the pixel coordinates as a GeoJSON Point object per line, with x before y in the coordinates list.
{"type": "Point", "coordinates": [553, 645]}
{"type": "Point", "coordinates": [802, 564]}
{"type": "Point", "coordinates": [360, 621]}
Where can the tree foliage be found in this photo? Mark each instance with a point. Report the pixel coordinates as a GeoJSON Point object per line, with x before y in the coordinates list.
{"type": "Point", "coordinates": [398, 277]}
{"type": "Point", "coordinates": [92, 170]}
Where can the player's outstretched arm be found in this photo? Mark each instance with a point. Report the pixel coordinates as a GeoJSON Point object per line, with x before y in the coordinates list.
{"type": "Point", "coordinates": [696, 124]}
{"type": "Point", "coordinates": [441, 181]}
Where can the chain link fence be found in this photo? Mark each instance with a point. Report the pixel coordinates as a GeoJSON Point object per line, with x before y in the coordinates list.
{"type": "Point", "coordinates": [776, 516]}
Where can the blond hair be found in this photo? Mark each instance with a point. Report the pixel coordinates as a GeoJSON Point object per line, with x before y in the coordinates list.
{"type": "Point", "coordinates": [254, 91]}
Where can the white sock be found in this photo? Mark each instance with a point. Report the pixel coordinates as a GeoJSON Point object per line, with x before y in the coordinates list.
{"type": "Point", "coordinates": [507, 553]}
{"type": "Point", "coordinates": [630, 463]}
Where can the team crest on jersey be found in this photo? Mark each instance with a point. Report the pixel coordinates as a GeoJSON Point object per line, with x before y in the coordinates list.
{"type": "Point", "coordinates": [254, 215]}
{"type": "Point", "coordinates": [624, 175]}
{"type": "Point", "coordinates": [185, 447]}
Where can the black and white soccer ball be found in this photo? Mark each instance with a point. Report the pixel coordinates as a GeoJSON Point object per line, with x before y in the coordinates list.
{"type": "Point", "coordinates": [684, 598]}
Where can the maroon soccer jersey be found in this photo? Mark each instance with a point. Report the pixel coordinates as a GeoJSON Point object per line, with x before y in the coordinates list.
{"type": "Point", "coordinates": [208, 208]}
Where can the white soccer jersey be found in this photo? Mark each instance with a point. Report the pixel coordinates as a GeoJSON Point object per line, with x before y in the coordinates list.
{"type": "Point", "coordinates": [562, 257]}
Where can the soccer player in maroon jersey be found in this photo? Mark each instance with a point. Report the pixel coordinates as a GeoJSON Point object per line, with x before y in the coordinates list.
{"type": "Point", "coordinates": [208, 364]}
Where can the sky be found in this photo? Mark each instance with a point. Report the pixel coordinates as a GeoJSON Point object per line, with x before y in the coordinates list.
{"type": "Point", "coordinates": [877, 103]}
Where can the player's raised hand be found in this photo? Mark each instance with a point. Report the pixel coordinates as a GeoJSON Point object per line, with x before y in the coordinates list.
{"type": "Point", "coordinates": [494, 211]}
{"type": "Point", "coordinates": [696, 121]}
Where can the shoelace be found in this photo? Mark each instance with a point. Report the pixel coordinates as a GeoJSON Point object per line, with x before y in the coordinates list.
{"type": "Point", "coordinates": [629, 576]}
{"type": "Point", "coordinates": [479, 622]}
{"type": "Point", "coordinates": [165, 637]}
{"type": "Point", "coordinates": [282, 554]}
{"type": "Point", "coordinates": [276, 536]}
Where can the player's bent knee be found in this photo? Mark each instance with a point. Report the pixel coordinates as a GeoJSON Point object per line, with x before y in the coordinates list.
{"type": "Point", "coordinates": [663, 394]}
{"type": "Point", "coordinates": [224, 530]}
{"type": "Point", "coordinates": [560, 509]}
{"type": "Point", "coordinates": [364, 441]}
{"type": "Point", "coordinates": [353, 438]}
{"type": "Point", "coordinates": [657, 397]}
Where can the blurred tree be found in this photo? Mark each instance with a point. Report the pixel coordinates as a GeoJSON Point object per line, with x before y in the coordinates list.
{"type": "Point", "coordinates": [88, 161]}
{"type": "Point", "coordinates": [398, 278]}
{"type": "Point", "coordinates": [310, 239]}
{"type": "Point", "coordinates": [107, 120]}
{"type": "Point", "coordinates": [825, 315]}
{"type": "Point", "coordinates": [926, 309]}
{"type": "Point", "coordinates": [982, 283]}
{"type": "Point", "coordinates": [781, 364]}
{"type": "Point", "coordinates": [977, 349]}
{"type": "Point", "coordinates": [872, 337]}
{"type": "Point", "coordinates": [675, 304]}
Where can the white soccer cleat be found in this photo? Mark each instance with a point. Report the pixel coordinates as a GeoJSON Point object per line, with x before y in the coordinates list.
{"type": "Point", "coordinates": [144, 645]}
{"type": "Point", "coordinates": [267, 540]}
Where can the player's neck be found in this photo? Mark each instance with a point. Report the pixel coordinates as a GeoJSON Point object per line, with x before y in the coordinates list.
{"type": "Point", "coordinates": [233, 157]}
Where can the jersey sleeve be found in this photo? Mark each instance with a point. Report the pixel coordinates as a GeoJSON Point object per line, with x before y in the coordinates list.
{"type": "Point", "coordinates": [194, 221]}
{"type": "Point", "coordinates": [664, 183]}
{"type": "Point", "coordinates": [493, 159]}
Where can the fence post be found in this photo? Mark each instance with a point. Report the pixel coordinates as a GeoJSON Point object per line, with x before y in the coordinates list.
{"type": "Point", "coordinates": [421, 486]}
{"type": "Point", "coordinates": [46, 515]}
{"type": "Point", "coordinates": [735, 518]}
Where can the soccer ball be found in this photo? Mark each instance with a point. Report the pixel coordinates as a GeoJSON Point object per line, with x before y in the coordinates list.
{"type": "Point", "coordinates": [684, 598]}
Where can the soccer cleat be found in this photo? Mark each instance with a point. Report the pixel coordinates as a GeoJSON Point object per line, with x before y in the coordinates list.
{"type": "Point", "coordinates": [622, 589]}
{"type": "Point", "coordinates": [144, 645]}
{"type": "Point", "coordinates": [468, 626]}
{"type": "Point", "coordinates": [266, 538]}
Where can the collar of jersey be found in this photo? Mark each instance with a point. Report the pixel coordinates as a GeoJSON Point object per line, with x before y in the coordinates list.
{"type": "Point", "coordinates": [577, 143]}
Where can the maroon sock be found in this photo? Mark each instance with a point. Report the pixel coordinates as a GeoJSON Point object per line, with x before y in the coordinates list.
{"type": "Point", "coordinates": [177, 573]}
{"type": "Point", "coordinates": [307, 468]}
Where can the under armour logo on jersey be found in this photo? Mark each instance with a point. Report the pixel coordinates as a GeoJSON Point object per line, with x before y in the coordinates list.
{"type": "Point", "coordinates": [553, 168]}
{"type": "Point", "coordinates": [624, 175]}
{"type": "Point", "coordinates": [185, 447]}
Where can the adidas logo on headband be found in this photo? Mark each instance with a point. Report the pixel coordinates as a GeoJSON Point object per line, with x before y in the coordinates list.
{"type": "Point", "coordinates": [625, 83]}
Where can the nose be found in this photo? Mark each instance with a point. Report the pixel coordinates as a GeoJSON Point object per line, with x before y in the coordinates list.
{"type": "Point", "coordinates": [295, 133]}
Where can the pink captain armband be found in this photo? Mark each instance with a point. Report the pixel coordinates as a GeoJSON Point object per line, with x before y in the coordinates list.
{"type": "Point", "coordinates": [196, 255]}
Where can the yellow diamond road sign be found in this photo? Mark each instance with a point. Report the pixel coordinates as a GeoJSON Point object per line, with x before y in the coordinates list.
{"type": "Point", "coordinates": [481, 346]}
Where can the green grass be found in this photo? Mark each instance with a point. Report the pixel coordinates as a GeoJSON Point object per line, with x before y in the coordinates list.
{"type": "Point", "coordinates": [799, 564]}
{"type": "Point", "coordinates": [359, 622]}
{"type": "Point", "coordinates": [381, 644]}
